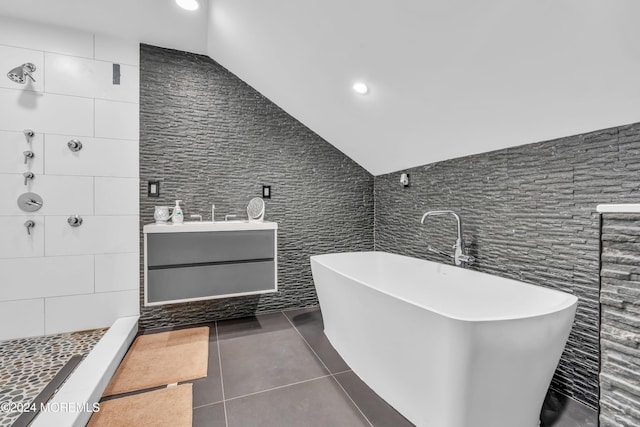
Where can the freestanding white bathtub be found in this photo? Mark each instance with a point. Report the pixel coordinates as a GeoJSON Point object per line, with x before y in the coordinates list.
{"type": "Point", "coordinates": [445, 346]}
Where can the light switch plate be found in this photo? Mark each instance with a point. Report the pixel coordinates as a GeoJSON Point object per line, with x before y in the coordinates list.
{"type": "Point", "coordinates": [153, 188]}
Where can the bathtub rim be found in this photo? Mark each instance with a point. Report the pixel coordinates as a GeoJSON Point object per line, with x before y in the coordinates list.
{"type": "Point", "coordinates": [570, 302]}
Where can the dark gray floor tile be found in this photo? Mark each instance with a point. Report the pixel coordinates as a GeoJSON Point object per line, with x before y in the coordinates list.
{"type": "Point", "coordinates": [274, 357]}
{"type": "Point", "coordinates": [378, 412]}
{"type": "Point", "coordinates": [560, 411]}
{"type": "Point", "coordinates": [209, 416]}
{"type": "Point", "coordinates": [245, 326]}
{"type": "Point", "coordinates": [309, 323]}
{"type": "Point", "coordinates": [208, 390]}
{"type": "Point", "coordinates": [317, 403]}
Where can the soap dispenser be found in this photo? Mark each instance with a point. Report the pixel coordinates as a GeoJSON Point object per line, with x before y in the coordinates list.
{"type": "Point", "coordinates": [178, 216]}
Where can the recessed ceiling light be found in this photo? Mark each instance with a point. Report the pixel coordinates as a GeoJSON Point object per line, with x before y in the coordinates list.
{"type": "Point", "coordinates": [360, 88]}
{"type": "Point", "coordinates": [188, 4]}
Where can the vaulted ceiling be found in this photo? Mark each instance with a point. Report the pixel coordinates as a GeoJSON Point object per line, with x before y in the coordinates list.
{"type": "Point", "coordinates": [446, 78]}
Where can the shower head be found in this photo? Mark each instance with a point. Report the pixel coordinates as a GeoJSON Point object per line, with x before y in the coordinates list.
{"type": "Point", "coordinates": [18, 74]}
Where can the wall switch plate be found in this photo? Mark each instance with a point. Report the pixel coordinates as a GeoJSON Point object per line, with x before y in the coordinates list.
{"type": "Point", "coordinates": [266, 191]}
{"type": "Point", "coordinates": [153, 188]}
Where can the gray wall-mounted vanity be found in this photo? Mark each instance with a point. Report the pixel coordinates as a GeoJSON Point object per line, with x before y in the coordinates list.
{"type": "Point", "coordinates": [207, 260]}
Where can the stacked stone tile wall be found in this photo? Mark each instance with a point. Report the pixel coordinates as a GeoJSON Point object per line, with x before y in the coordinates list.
{"type": "Point", "coordinates": [529, 214]}
{"type": "Point", "coordinates": [620, 321]}
{"type": "Point", "coordinates": [212, 139]}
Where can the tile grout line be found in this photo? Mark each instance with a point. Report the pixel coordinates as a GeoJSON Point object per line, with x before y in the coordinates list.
{"type": "Point", "coordinates": [224, 401]}
{"type": "Point", "coordinates": [42, 92]}
{"type": "Point", "coordinates": [342, 372]}
{"type": "Point", "coordinates": [279, 387]}
{"type": "Point", "coordinates": [352, 401]}
{"type": "Point", "coordinates": [308, 345]}
{"type": "Point", "coordinates": [208, 404]}
{"type": "Point", "coordinates": [330, 373]}
{"type": "Point", "coordinates": [60, 53]}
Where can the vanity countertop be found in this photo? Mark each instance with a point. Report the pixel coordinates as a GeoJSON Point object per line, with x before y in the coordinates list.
{"type": "Point", "coordinates": [619, 208]}
{"type": "Point", "coordinates": [199, 226]}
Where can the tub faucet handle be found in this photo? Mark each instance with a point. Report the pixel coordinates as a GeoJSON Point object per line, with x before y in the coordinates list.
{"type": "Point", "coordinates": [466, 259]}
{"type": "Point", "coordinates": [439, 252]}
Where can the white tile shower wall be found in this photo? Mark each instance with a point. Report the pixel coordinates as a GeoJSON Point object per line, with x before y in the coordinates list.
{"type": "Point", "coordinates": [54, 276]}
{"type": "Point", "coordinates": [78, 200]}
{"type": "Point", "coordinates": [117, 120]}
{"type": "Point", "coordinates": [98, 157]}
{"type": "Point", "coordinates": [60, 278]}
{"type": "Point", "coordinates": [16, 243]}
{"type": "Point", "coordinates": [45, 113]}
{"type": "Point", "coordinates": [91, 79]}
{"type": "Point", "coordinates": [91, 311]}
{"type": "Point", "coordinates": [96, 235]}
{"type": "Point", "coordinates": [26, 318]}
{"type": "Point", "coordinates": [116, 196]}
{"type": "Point", "coordinates": [117, 272]}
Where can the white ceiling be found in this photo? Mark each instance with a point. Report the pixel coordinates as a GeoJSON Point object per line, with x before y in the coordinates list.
{"type": "Point", "coordinates": [447, 78]}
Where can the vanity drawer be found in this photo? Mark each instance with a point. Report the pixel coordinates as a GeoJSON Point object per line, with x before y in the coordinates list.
{"type": "Point", "coordinates": [206, 247]}
{"type": "Point", "coordinates": [210, 281]}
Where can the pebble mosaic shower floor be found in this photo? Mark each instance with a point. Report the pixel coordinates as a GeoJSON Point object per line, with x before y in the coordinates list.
{"type": "Point", "coordinates": [27, 365]}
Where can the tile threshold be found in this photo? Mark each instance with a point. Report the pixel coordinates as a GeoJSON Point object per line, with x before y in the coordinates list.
{"type": "Point", "coordinates": [87, 383]}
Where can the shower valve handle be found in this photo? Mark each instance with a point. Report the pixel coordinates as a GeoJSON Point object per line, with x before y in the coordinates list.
{"type": "Point", "coordinates": [28, 155]}
{"type": "Point", "coordinates": [28, 176]}
{"type": "Point", "coordinates": [29, 224]}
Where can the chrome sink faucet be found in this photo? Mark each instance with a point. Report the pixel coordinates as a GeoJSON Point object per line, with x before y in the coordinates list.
{"type": "Point", "coordinates": [460, 255]}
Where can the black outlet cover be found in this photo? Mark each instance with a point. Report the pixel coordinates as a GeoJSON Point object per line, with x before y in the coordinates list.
{"type": "Point", "coordinates": [153, 188]}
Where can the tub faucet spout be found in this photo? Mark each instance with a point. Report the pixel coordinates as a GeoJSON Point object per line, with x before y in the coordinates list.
{"type": "Point", "coordinates": [460, 255]}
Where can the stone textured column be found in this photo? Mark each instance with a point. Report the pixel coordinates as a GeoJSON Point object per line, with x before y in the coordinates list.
{"type": "Point", "coordinates": [620, 321]}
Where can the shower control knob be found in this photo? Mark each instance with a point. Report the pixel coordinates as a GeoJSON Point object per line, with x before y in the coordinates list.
{"type": "Point", "coordinates": [29, 134]}
{"type": "Point", "coordinates": [75, 220]}
{"type": "Point", "coordinates": [74, 145]}
{"type": "Point", "coordinates": [29, 224]}
{"type": "Point", "coordinates": [28, 155]}
{"type": "Point", "coordinates": [30, 202]}
{"type": "Point", "coordinates": [28, 176]}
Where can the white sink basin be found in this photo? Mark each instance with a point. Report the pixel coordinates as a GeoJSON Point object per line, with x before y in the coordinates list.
{"type": "Point", "coordinates": [194, 226]}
